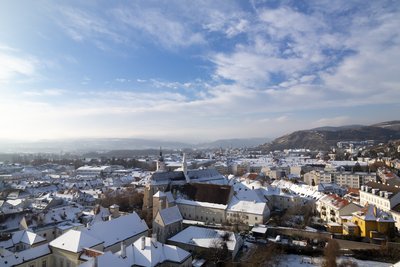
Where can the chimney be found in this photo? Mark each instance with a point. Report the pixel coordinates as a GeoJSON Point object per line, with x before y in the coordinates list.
{"type": "Point", "coordinates": [143, 243]}
{"type": "Point", "coordinates": [123, 250]}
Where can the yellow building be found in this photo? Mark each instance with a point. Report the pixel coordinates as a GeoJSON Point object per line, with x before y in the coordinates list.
{"type": "Point", "coordinates": [372, 223]}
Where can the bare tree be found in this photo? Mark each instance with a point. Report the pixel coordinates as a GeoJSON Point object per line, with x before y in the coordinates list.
{"type": "Point", "coordinates": [348, 263]}
{"type": "Point", "coordinates": [268, 256]}
{"type": "Point", "coordinates": [331, 252]}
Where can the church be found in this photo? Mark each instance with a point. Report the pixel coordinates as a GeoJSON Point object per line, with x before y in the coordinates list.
{"type": "Point", "coordinates": [163, 180]}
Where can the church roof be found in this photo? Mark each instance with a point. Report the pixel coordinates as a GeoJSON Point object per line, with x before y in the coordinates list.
{"type": "Point", "coordinates": [211, 193]}
{"type": "Point", "coordinates": [170, 215]}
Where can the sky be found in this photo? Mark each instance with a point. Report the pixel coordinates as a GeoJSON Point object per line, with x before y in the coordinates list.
{"type": "Point", "coordinates": [195, 70]}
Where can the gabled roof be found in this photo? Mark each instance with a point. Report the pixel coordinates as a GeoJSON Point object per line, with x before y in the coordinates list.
{"type": "Point", "coordinates": [384, 187]}
{"type": "Point", "coordinates": [253, 207]}
{"type": "Point", "coordinates": [117, 230]}
{"type": "Point", "coordinates": [27, 237]}
{"type": "Point", "coordinates": [12, 259]}
{"type": "Point", "coordinates": [170, 215]}
{"type": "Point", "coordinates": [170, 197]}
{"type": "Point", "coordinates": [154, 253]}
{"type": "Point", "coordinates": [335, 201]}
{"type": "Point", "coordinates": [106, 260]}
{"type": "Point", "coordinates": [75, 241]}
{"type": "Point", "coordinates": [204, 237]}
{"type": "Point", "coordinates": [211, 193]}
{"type": "Point", "coordinates": [372, 213]}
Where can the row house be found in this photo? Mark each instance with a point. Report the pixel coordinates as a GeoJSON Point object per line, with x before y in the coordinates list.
{"type": "Point", "coordinates": [382, 195]}
{"type": "Point", "coordinates": [334, 209]}
{"type": "Point", "coordinates": [341, 178]}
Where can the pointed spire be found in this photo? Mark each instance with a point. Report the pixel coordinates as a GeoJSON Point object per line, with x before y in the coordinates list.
{"type": "Point", "coordinates": [184, 164]}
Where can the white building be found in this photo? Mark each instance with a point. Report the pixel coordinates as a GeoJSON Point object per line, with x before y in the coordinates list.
{"type": "Point", "coordinates": [334, 209]}
{"type": "Point", "coordinates": [144, 252]}
{"type": "Point", "coordinates": [341, 178]}
{"type": "Point", "coordinates": [199, 239]}
{"type": "Point", "coordinates": [383, 196]}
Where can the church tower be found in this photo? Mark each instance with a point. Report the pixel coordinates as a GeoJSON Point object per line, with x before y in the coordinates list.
{"type": "Point", "coordinates": [184, 168]}
{"type": "Point", "coordinates": [160, 163]}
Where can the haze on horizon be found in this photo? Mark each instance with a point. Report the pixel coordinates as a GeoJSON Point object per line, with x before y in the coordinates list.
{"type": "Point", "coordinates": [195, 70]}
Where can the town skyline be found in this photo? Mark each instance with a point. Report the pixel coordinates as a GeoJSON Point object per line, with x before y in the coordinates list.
{"type": "Point", "coordinates": [195, 72]}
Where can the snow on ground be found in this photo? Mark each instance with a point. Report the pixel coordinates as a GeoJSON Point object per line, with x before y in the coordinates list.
{"type": "Point", "coordinates": [307, 261]}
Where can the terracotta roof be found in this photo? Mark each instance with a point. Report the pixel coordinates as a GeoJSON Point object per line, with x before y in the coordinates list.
{"type": "Point", "coordinates": [251, 176]}
{"type": "Point", "coordinates": [353, 191]}
{"type": "Point", "coordinates": [336, 201]}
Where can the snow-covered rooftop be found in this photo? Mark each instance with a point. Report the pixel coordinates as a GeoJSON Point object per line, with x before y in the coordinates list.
{"type": "Point", "coordinates": [153, 253]}
{"type": "Point", "coordinates": [171, 215]}
{"type": "Point", "coordinates": [75, 241]}
{"type": "Point", "coordinates": [117, 230]}
{"type": "Point", "coordinates": [205, 237]}
{"type": "Point", "coordinates": [8, 258]}
{"type": "Point", "coordinates": [202, 204]}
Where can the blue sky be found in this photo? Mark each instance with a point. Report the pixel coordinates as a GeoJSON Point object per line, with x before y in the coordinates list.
{"type": "Point", "coordinates": [195, 70]}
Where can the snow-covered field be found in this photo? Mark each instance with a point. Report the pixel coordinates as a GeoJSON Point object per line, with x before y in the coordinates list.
{"type": "Point", "coordinates": [291, 260]}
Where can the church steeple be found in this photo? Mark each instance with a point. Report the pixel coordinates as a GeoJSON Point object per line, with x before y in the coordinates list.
{"type": "Point", "coordinates": [184, 168]}
{"type": "Point", "coordinates": [160, 158]}
{"type": "Point", "coordinates": [184, 164]}
{"type": "Point", "coordinates": [160, 162]}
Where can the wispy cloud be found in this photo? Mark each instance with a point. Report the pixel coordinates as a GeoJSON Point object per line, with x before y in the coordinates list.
{"type": "Point", "coordinates": [262, 64]}
{"type": "Point", "coordinates": [82, 25]}
{"type": "Point", "coordinates": [153, 23]}
{"type": "Point", "coordinates": [335, 121]}
{"type": "Point", "coordinates": [14, 65]}
{"type": "Point", "coordinates": [122, 80]}
{"type": "Point", "coordinates": [46, 92]}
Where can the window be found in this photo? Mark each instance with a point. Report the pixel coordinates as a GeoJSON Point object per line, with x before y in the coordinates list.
{"type": "Point", "coordinates": [255, 218]}
{"type": "Point", "coordinates": [44, 263]}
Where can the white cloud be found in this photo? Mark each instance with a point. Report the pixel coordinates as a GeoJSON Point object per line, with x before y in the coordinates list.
{"type": "Point", "coordinates": [335, 121]}
{"type": "Point", "coordinates": [46, 92]}
{"type": "Point", "coordinates": [264, 67]}
{"type": "Point", "coordinates": [167, 31]}
{"type": "Point", "coordinates": [122, 80]}
{"type": "Point", "coordinates": [16, 66]}
{"type": "Point", "coordinates": [82, 26]}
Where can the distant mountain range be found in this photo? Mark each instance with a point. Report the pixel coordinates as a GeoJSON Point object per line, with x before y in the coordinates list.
{"type": "Point", "coordinates": [323, 138]}
{"type": "Point", "coordinates": [233, 143]}
{"type": "Point", "coordinates": [108, 144]}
